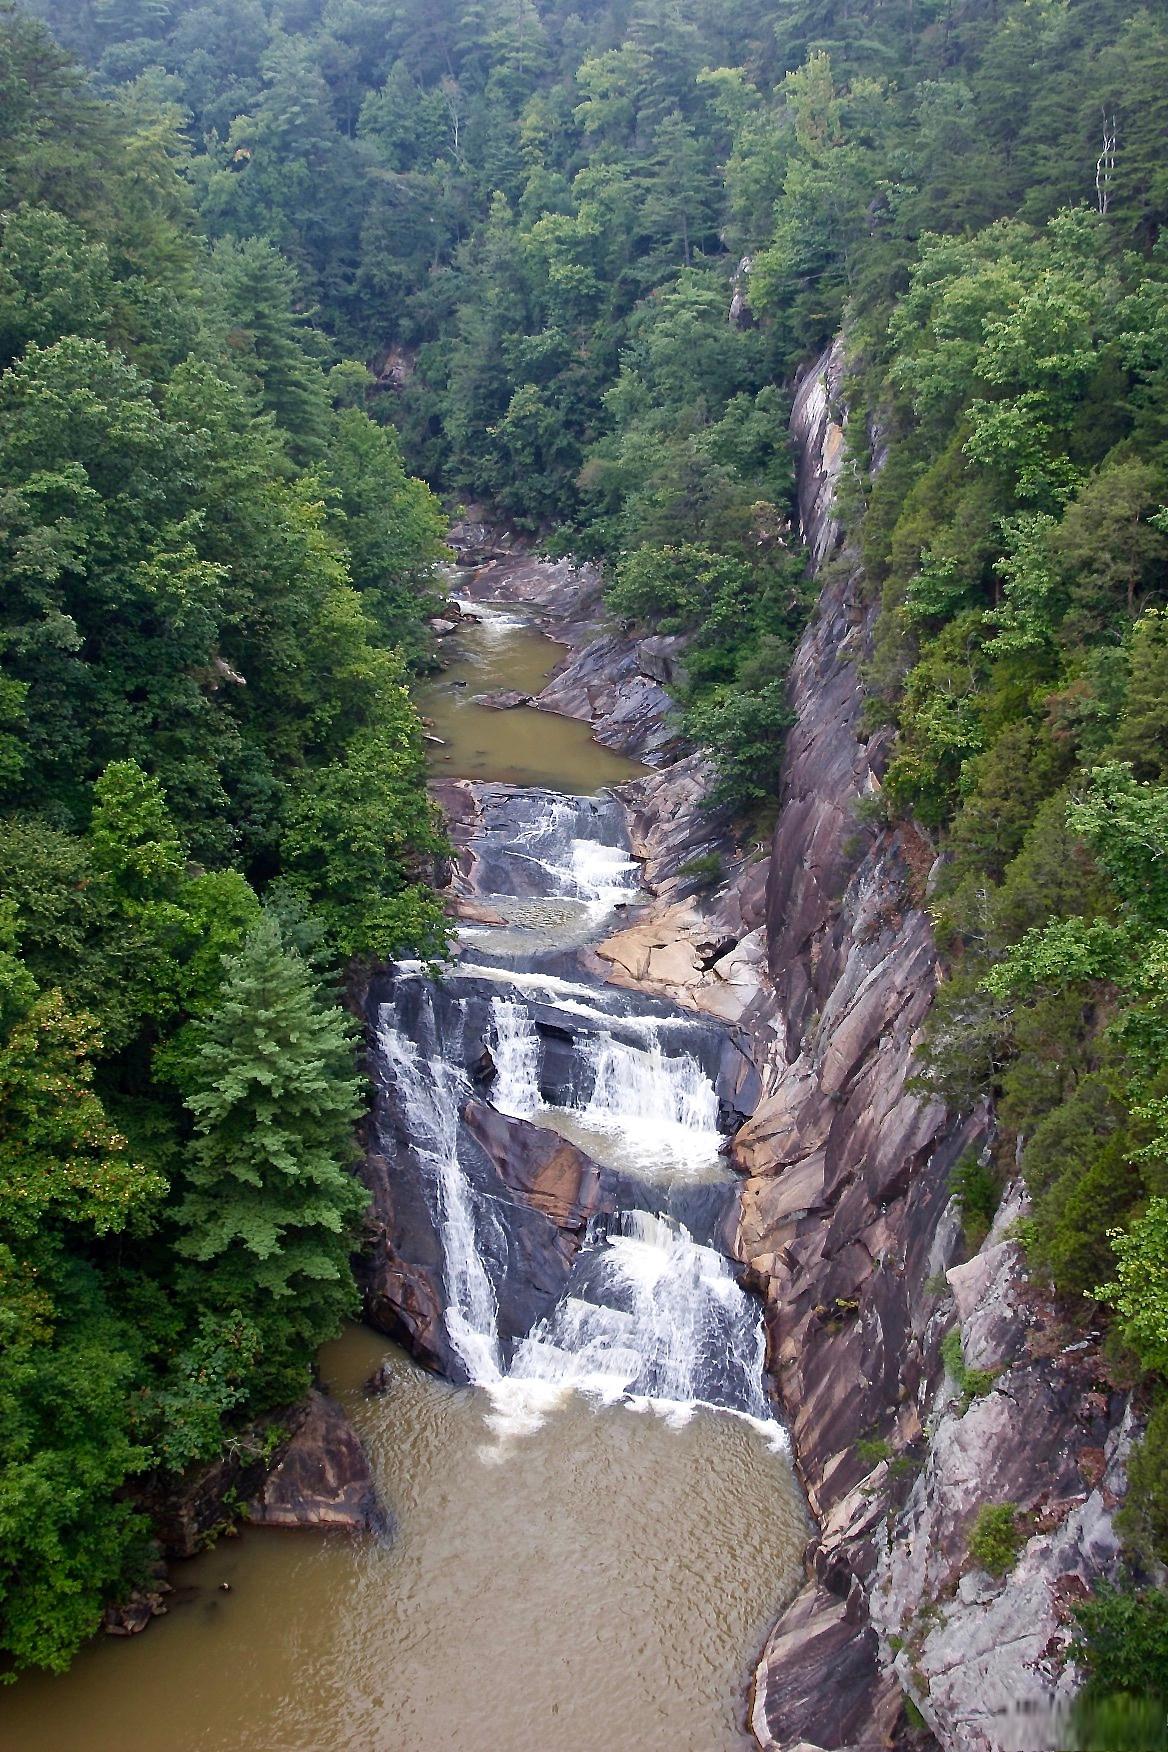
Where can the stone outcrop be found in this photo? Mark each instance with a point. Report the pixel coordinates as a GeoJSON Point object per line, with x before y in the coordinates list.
{"type": "Point", "coordinates": [817, 423]}
{"type": "Point", "coordinates": [400, 1267]}
{"type": "Point", "coordinates": [741, 316]}
{"type": "Point", "coordinates": [297, 1467]}
{"type": "Point", "coordinates": [322, 1479]}
{"type": "Point", "coordinates": [629, 709]}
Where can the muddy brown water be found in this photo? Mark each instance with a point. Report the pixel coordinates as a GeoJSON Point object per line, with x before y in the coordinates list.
{"type": "Point", "coordinates": [597, 1578]}
{"type": "Point", "coordinates": [598, 1585]}
{"type": "Point", "coordinates": [501, 652]}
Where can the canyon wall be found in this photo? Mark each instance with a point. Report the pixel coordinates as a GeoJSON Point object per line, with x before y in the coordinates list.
{"type": "Point", "coordinates": [849, 1233]}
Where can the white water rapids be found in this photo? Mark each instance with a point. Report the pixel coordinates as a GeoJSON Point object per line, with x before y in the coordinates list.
{"type": "Point", "coordinates": [647, 1110]}
{"type": "Point", "coordinates": [649, 1315]}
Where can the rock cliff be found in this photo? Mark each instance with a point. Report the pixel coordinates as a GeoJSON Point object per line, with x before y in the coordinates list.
{"type": "Point", "coordinates": [848, 1230]}
{"type": "Point", "coordinates": [819, 952]}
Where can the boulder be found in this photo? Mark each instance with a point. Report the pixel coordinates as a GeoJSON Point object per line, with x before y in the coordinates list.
{"type": "Point", "coordinates": [322, 1479]}
{"type": "Point", "coordinates": [400, 1271]}
{"type": "Point", "coordinates": [129, 1617]}
{"type": "Point", "coordinates": [504, 701]}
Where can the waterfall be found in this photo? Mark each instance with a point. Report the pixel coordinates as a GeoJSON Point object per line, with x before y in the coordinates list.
{"type": "Point", "coordinates": [649, 1316]}
{"type": "Point", "coordinates": [641, 1088]}
{"type": "Point", "coordinates": [430, 1093]}
{"type": "Point", "coordinates": [660, 1109]}
{"type": "Point", "coordinates": [646, 1314]}
{"type": "Point", "coordinates": [578, 865]}
{"type": "Point", "coordinates": [515, 1090]}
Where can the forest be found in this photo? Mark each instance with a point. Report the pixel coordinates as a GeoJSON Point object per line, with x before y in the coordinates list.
{"type": "Point", "coordinates": [266, 267]}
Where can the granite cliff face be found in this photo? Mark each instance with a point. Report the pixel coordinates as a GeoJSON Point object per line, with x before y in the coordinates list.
{"type": "Point", "coordinates": [848, 1230]}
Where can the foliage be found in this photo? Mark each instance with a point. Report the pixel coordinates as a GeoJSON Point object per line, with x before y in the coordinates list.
{"type": "Point", "coordinates": [216, 579]}
{"type": "Point", "coordinates": [1139, 1291]}
{"type": "Point", "coordinates": [970, 1383]}
{"type": "Point", "coordinates": [1142, 1517]}
{"type": "Point", "coordinates": [977, 1192]}
{"type": "Point", "coordinates": [266, 1203]}
{"type": "Point", "coordinates": [996, 1538]}
{"type": "Point", "coordinates": [1122, 1649]}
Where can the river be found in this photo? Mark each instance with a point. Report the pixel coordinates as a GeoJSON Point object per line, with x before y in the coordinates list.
{"type": "Point", "coordinates": [596, 1520]}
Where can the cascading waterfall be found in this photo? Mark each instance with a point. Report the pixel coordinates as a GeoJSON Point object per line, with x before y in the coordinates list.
{"type": "Point", "coordinates": [577, 865]}
{"type": "Point", "coordinates": [647, 1313]}
{"type": "Point", "coordinates": [661, 1108]}
{"type": "Point", "coordinates": [430, 1093]}
{"type": "Point", "coordinates": [515, 1090]}
{"type": "Point", "coordinates": [666, 1107]}
{"type": "Point", "coordinates": [651, 1314]}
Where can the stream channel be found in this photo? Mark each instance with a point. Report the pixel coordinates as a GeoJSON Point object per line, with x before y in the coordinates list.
{"type": "Point", "coordinates": [595, 1514]}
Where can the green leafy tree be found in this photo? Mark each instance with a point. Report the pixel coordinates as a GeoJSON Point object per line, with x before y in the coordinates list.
{"type": "Point", "coordinates": [267, 1203]}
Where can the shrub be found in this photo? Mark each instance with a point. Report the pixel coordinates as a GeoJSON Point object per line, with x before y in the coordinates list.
{"type": "Point", "coordinates": [976, 1190]}
{"type": "Point", "coordinates": [996, 1538]}
{"type": "Point", "coordinates": [744, 732]}
{"type": "Point", "coordinates": [1143, 1519]}
{"type": "Point", "coordinates": [970, 1383]}
{"type": "Point", "coordinates": [1122, 1649]}
{"type": "Point", "coordinates": [706, 869]}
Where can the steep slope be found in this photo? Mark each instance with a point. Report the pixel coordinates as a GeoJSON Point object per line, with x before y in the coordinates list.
{"type": "Point", "coordinates": [849, 1231]}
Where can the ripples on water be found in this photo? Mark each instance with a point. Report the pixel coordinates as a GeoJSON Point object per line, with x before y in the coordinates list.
{"type": "Point", "coordinates": [504, 652]}
{"type": "Point", "coordinates": [597, 1584]}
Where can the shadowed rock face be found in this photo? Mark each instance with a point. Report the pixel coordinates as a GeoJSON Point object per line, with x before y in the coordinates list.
{"type": "Point", "coordinates": [545, 1189]}
{"type": "Point", "coordinates": [400, 1270]}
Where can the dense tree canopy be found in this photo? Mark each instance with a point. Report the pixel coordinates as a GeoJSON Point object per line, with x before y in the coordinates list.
{"type": "Point", "coordinates": [216, 575]}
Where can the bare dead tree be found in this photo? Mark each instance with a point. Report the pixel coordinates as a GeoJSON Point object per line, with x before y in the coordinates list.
{"type": "Point", "coordinates": [1105, 165]}
{"type": "Point", "coordinates": [452, 97]}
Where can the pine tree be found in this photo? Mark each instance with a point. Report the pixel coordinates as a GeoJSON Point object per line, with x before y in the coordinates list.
{"type": "Point", "coordinates": [269, 1205]}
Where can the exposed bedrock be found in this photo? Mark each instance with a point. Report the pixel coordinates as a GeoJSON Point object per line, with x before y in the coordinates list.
{"type": "Point", "coordinates": [817, 948]}
{"type": "Point", "coordinates": [302, 1466]}
{"type": "Point", "coordinates": [848, 1230]}
{"type": "Point", "coordinates": [322, 1479]}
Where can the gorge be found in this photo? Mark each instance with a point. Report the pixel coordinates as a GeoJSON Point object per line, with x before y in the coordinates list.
{"type": "Point", "coordinates": [584, 783]}
{"type": "Point", "coordinates": [607, 1498]}
{"type": "Point", "coordinates": [632, 1094]}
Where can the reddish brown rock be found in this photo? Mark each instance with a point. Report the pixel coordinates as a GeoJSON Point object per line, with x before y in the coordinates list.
{"type": "Point", "coordinates": [322, 1479]}
{"type": "Point", "coordinates": [546, 1172]}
